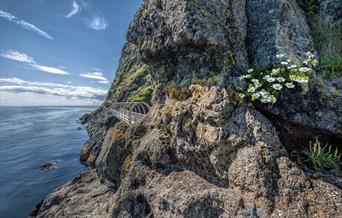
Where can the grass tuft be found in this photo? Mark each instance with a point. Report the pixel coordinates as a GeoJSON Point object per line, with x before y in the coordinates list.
{"type": "Point", "coordinates": [322, 157]}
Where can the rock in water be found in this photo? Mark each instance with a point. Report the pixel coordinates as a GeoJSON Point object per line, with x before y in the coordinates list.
{"type": "Point", "coordinates": [48, 166]}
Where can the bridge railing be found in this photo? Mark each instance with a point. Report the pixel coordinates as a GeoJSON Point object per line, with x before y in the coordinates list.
{"type": "Point", "coordinates": [130, 112]}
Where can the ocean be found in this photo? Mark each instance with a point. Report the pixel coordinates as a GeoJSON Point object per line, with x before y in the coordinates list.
{"type": "Point", "coordinates": [29, 138]}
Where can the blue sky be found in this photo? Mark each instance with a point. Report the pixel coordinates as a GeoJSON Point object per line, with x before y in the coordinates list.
{"type": "Point", "coordinates": [61, 52]}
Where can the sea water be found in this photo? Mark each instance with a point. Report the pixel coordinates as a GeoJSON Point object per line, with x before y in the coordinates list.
{"type": "Point", "coordinates": [29, 138]}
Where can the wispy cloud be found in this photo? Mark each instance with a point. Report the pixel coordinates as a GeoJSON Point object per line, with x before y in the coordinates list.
{"type": "Point", "coordinates": [52, 70]}
{"type": "Point", "coordinates": [97, 76]}
{"type": "Point", "coordinates": [75, 9]}
{"type": "Point", "coordinates": [16, 85]}
{"type": "Point", "coordinates": [18, 56]}
{"type": "Point", "coordinates": [97, 22]}
{"type": "Point", "coordinates": [24, 24]}
{"type": "Point", "coordinates": [24, 58]}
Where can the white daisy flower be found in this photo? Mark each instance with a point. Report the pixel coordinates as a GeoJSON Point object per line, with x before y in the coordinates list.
{"type": "Point", "coordinates": [272, 99]}
{"type": "Point", "coordinates": [292, 66]}
{"type": "Point", "coordinates": [309, 54]}
{"type": "Point", "coordinates": [304, 69]}
{"type": "Point", "coordinates": [315, 62]}
{"type": "Point", "coordinates": [263, 92]}
{"type": "Point", "coordinates": [281, 79]}
{"type": "Point", "coordinates": [277, 86]}
{"type": "Point", "coordinates": [279, 55]}
{"type": "Point", "coordinates": [302, 79]}
{"type": "Point", "coordinates": [290, 85]}
{"type": "Point", "coordinates": [293, 77]}
{"type": "Point", "coordinates": [284, 63]}
{"type": "Point", "coordinates": [255, 96]}
{"type": "Point", "coordinates": [306, 62]}
{"type": "Point", "coordinates": [264, 100]}
{"type": "Point", "coordinates": [250, 70]}
{"type": "Point", "coordinates": [255, 80]}
{"type": "Point", "coordinates": [270, 79]}
{"type": "Point", "coordinates": [275, 71]}
{"type": "Point", "coordinates": [241, 95]}
{"type": "Point", "coordinates": [251, 89]}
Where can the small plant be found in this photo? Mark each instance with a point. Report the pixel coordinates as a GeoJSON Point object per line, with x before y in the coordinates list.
{"type": "Point", "coordinates": [180, 94]}
{"type": "Point", "coordinates": [322, 157]}
{"type": "Point", "coordinates": [265, 85]}
{"type": "Point", "coordinates": [144, 12]}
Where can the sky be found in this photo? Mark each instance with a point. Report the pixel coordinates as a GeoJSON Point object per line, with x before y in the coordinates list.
{"type": "Point", "coordinates": [60, 52]}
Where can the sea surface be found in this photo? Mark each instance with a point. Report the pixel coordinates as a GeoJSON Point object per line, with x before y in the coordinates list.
{"type": "Point", "coordinates": [30, 137]}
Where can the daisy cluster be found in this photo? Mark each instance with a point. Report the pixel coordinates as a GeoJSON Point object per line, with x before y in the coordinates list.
{"type": "Point", "coordinates": [265, 85]}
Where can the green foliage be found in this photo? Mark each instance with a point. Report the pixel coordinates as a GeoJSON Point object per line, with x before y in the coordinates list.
{"type": "Point", "coordinates": [180, 94]}
{"type": "Point", "coordinates": [265, 85]}
{"type": "Point", "coordinates": [310, 7]}
{"type": "Point", "coordinates": [144, 94]}
{"type": "Point", "coordinates": [144, 11]}
{"type": "Point", "coordinates": [322, 157]}
{"type": "Point", "coordinates": [210, 81]}
{"type": "Point", "coordinates": [328, 41]}
{"type": "Point", "coordinates": [128, 80]}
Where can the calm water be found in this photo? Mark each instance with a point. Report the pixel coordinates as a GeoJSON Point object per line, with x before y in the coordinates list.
{"type": "Point", "coordinates": [30, 137]}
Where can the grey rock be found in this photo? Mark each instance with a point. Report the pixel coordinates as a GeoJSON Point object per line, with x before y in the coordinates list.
{"type": "Point", "coordinates": [187, 40]}
{"type": "Point", "coordinates": [331, 12]}
{"type": "Point", "coordinates": [85, 196]}
{"type": "Point", "coordinates": [113, 154]}
{"type": "Point", "coordinates": [276, 26]}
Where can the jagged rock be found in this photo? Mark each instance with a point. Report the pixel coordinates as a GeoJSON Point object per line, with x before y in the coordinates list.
{"type": "Point", "coordinates": [98, 123]}
{"type": "Point", "coordinates": [49, 166]}
{"type": "Point", "coordinates": [331, 11]}
{"type": "Point", "coordinates": [208, 155]}
{"type": "Point", "coordinates": [113, 154]}
{"type": "Point", "coordinates": [276, 26]}
{"type": "Point", "coordinates": [313, 112]}
{"type": "Point", "coordinates": [188, 40]}
{"type": "Point", "coordinates": [238, 167]}
{"type": "Point", "coordinates": [85, 196]}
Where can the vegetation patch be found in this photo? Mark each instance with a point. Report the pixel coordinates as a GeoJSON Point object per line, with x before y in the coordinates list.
{"type": "Point", "coordinates": [178, 93]}
{"type": "Point", "coordinates": [265, 85]}
{"type": "Point", "coordinates": [323, 157]}
{"type": "Point", "coordinates": [328, 41]}
{"type": "Point", "coordinates": [143, 94]}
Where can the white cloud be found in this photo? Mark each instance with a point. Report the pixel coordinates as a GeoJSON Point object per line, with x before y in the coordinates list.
{"type": "Point", "coordinates": [97, 22]}
{"type": "Point", "coordinates": [75, 9]}
{"type": "Point", "coordinates": [24, 24]}
{"type": "Point", "coordinates": [52, 70]}
{"type": "Point", "coordinates": [16, 85]}
{"type": "Point", "coordinates": [95, 75]}
{"type": "Point", "coordinates": [24, 58]}
{"type": "Point", "coordinates": [18, 56]}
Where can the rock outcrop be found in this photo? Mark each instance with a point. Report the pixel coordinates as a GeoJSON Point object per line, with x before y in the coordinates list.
{"type": "Point", "coordinates": [208, 154]}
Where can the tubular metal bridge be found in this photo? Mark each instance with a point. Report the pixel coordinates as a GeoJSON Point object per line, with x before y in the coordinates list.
{"type": "Point", "coordinates": [130, 112]}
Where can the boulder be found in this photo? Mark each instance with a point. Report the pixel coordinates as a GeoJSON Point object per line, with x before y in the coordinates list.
{"type": "Point", "coordinates": [187, 40]}
{"type": "Point", "coordinates": [276, 27]}
{"type": "Point", "coordinates": [331, 12]}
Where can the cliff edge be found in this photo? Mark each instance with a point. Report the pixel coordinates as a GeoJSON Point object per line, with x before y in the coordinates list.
{"type": "Point", "coordinates": [202, 151]}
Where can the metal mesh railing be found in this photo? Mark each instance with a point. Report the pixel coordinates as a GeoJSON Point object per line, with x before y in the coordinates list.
{"type": "Point", "coordinates": [130, 112]}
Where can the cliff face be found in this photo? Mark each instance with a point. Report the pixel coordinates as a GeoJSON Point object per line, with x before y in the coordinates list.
{"type": "Point", "coordinates": [209, 154]}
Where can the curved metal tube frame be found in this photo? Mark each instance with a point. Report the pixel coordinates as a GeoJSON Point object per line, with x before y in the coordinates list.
{"type": "Point", "coordinates": [130, 112]}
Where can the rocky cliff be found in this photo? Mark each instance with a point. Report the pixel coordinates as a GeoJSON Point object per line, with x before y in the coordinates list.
{"type": "Point", "coordinates": [207, 153]}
